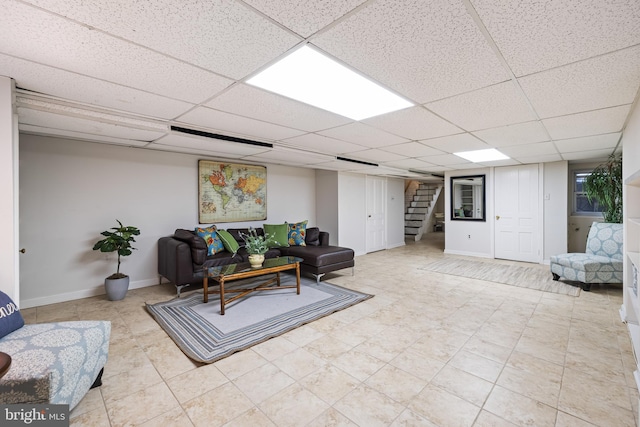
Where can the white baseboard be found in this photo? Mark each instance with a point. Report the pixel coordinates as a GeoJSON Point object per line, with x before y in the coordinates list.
{"type": "Point", "coordinates": [85, 293]}
{"type": "Point", "coordinates": [475, 254]}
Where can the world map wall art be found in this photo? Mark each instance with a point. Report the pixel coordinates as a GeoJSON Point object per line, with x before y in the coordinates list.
{"type": "Point", "coordinates": [230, 192]}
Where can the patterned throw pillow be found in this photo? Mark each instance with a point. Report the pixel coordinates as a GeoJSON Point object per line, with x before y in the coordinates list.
{"type": "Point", "coordinates": [297, 233]}
{"type": "Point", "coordinates": [210, 236]}
{"type": "Point", "coordinates": [230, 244]}
{"type": "Point", "coordinates": [278, 235]}
{"type": "Point", "coordinates": [10, 317]}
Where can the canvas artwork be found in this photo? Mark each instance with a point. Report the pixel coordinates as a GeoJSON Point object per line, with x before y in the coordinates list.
{"type": "Point", "coordinates": [230, 192]}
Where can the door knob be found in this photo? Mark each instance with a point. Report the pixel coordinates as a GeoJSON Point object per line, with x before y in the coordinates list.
{"type": "Point", "coordinates": [23, 250]}
{"type": "Point", "coordinates": [497, 217]}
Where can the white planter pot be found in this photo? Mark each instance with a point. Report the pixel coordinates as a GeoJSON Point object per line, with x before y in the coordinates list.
{"type": "Point", "coordinates": [116, 288]}
{"type": "Point", "coordinates": [256, 260]}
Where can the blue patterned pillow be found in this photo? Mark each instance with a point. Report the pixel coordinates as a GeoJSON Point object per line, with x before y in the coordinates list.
{"type": "Point", "coordinates": [10, 317]}
{"type": "Point", "coordinates": [211, 238]}
{"type": "Point", "coordinates": [297, 233]}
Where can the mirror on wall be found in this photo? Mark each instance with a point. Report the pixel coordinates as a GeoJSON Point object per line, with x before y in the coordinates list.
{"type": "Point", "coordinates": [468, 198]}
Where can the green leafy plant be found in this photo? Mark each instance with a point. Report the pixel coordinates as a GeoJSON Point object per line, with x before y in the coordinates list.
{"type": "Point", "coordinates": [119, 240]}
{"type": "Point", "coordinates": [604, 185]}
{"type": "Point", "coordinates": [256, 244]}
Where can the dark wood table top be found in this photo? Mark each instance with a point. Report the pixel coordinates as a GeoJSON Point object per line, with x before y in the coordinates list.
{"type": "Point", "coordinates": [5, 363]}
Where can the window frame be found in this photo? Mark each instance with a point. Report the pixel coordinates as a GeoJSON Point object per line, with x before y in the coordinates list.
{"type": "Point", "coordinates": [575, 194]}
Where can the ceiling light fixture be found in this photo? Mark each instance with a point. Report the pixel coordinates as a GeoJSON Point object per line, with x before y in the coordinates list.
{"type": "Point", "coordinates": [479, 156]}
{"type": "Point", "coordinates": [309, 76]}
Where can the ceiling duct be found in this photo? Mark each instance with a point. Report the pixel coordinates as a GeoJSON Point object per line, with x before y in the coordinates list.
{"type": "Point", "coordinates": [219, 136]}
{"type": "Point", "coordinates": [361, 162]}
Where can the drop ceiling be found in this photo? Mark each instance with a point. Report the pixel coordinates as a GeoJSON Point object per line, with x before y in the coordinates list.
{"type": "Point", "coordinates": [539, 80]}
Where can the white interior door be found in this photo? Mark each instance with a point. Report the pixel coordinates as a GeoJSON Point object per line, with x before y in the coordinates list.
{"type": "Point", "coordinates": [516, 213]}
{"type": "Point", "coordinates": [376, 227]}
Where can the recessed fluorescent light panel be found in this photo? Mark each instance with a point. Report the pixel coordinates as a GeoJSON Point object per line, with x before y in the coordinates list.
{"type": "Point", "coordinates": [480, 156]}
{"type": "Point", "coordinates": [308, 76]}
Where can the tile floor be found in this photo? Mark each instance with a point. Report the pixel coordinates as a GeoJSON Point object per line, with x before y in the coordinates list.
{"type": "Point", "coordinates": [428, 350]}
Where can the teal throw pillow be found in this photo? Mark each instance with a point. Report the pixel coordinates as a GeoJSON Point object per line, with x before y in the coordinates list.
{"type": "Point", "coordinates": [10, 317]}
{"type": "Point", "coordinates": [230, 244]}
{"type": "Point", "coordinates": [297, 233]}
{"type": "Point", "coordinates": [278, 235]}
{"type": "Point", "coordinates": [210, 236]}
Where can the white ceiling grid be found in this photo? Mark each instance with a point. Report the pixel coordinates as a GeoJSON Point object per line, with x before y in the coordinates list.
{"type": "Point", "coordinates": [540, 80]}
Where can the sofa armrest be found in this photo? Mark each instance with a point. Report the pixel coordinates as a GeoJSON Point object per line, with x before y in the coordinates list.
{"type": "Point", "coordinates": [174, 261]}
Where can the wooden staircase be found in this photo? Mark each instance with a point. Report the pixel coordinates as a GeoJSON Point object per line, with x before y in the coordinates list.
{"type": "Point", "coordinates": [419, 215]}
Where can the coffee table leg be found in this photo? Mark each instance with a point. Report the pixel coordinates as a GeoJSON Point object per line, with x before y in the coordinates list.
{"type": "Point", "coordinates": [222, 295]}
{"type": "Point", "coordinates": [298, 278]}
{"type": "Point", "coordinates": [278, 277]}
{"type": "Point", "coordinates": [205, 286]}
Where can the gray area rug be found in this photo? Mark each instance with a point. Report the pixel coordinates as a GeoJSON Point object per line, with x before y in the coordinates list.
{"type": "Point", "coordinates": [514, 275]}
{"type": "Point", "coordinates": [206, 336]}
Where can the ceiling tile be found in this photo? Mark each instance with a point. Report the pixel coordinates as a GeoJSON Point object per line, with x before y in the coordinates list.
{"type": "Point", "coordinates": [413, 149]}
{"type": "Point", "coordinates": [413, 123]}
{"type": "Point", "coordinates": [336, 165]}
{"type": "Point", "coordinates": [222, 36]}
{"type": "Point", "coordinates": [364, 135]}
{"type": "Point", "coordinates": [390, 42]}
{"type": "Point", "coordinates": [609, 140]}
{"type": "Point", "coordinates": [493, 106]}
{"type": "Point", "coordinates": [224, 148]}
{"type": "Point", "coordinates": [288, 158]}
{"type": "Point", "coordinates": [414, 164]}
{"type": "Point", "coordinates": [313, 141]}
{"type": "Point", "coordinates": [544, 158]}
{"type": "Point", "coordinates": [79, 88]}
{"type": "Point", "coordinates": [376, 155]}
{"type": "Point", "coordinates": [601, 82]}
{"type": "Point", "coordinates": [258, 104]}
{"type": "Point", "coordinates": [233, 124]}
{"type": "Point", "coordinates": [536, 35]}
{"type": "Point", "coordinates": [592, 155]}
{"type": "Point", "coordinates": [590, 123]}
{"type": "Point", "coordinates": [456, 143]}
{"type": "Point", "coordinates": [498, 163]}
{"type": "Point", "coordinates": [305, 17]}
{"type": "Point", "coordinates": [446, 160]}
{"type": "Point", "coordinates": [32, 34]}
{"type": "Point", "coordinates": [517, 151]}
{"type": "Point", "coordinates": [521, 133]}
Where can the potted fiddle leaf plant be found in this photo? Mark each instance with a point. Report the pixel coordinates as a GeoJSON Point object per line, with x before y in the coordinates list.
{"type": "Point", "coordinates": [119, 240]}
{"type": "Point", "coordinates": [604, 185]}
{"type": "Point", "coordinates": [256, 245]}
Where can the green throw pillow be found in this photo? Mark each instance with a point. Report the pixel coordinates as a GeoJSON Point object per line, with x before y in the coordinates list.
{"type": "Point", "coordinates": [210, 236]}
{"type": "Point", "coordinates": [230, 244]}
{"type": "Point", "coordinates": [278, 233]}
{"type": "Point", "coordinates": [297, 233]}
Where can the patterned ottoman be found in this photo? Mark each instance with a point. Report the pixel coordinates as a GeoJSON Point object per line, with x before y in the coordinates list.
{"type": "Point", "coordinates": [54, 362]}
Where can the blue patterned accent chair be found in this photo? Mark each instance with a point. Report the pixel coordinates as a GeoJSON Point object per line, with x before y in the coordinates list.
{"type": "Point", "coordinates": [602, 262]}
{"type": "Point", "coordinates": [54, 362]}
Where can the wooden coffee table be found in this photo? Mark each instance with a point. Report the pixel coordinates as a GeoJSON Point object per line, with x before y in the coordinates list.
{"type": "Point", "coordinates": [227, 273]}
{"type": "Point", "coordinates": [5, 363]}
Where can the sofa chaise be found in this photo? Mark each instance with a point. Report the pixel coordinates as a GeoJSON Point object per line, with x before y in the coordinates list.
{"type": "Point", "coordinates": [183, 256]}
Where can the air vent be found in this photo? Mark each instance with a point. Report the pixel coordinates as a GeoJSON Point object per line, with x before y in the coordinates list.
{"type": "Point", "coordinates": [361, 162]}
{"type": "Point", "coordinates": [222, 137]}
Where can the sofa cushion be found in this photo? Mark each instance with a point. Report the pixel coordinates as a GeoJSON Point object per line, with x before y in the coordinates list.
{"type": "Point", "coordinates": [279, 233]}
{"type": "Point", "coordinates": [196, 243]}
{"type": "Point", "coordinates": [10, 317]}
{"type": "Point", "coordinates": [313, 236]}
{"type": "Point", "coordinates": [210, 236]}
{"type": "Point", "coordinates": [297, 233]}
{"type": "Point", "coordinates": [230, 244]}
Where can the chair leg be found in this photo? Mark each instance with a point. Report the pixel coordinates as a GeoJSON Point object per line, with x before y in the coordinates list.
{"type": "Point", "coordinates": [98, 381]}
{"type": "Point", "coordinates": [555, 276]}
{"type": "Point", "coordinates": [586, 287]}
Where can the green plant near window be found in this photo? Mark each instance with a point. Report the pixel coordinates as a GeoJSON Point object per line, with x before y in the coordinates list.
{"type": "Point", "coordinates": [604, 185]}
